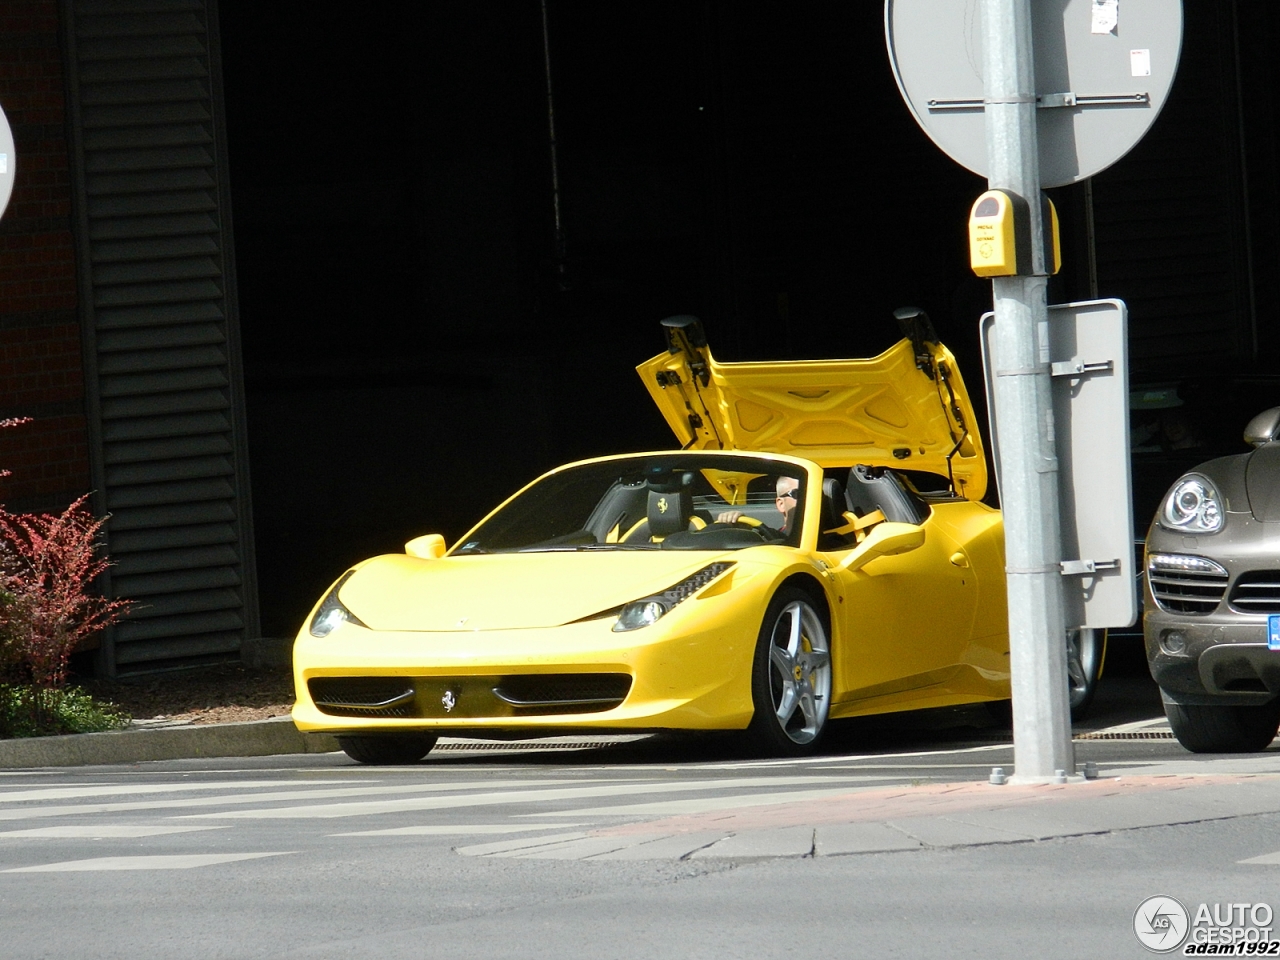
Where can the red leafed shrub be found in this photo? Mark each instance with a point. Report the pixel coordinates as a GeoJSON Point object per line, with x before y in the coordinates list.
{"type": "Point", "coordinates": [47, 564]}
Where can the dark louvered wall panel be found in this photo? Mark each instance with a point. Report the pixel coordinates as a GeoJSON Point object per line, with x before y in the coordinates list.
{"type": "Point", "coordinates": [160, 328]}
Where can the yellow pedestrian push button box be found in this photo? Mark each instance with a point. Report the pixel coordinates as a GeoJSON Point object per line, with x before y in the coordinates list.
{"type": "Point", "coordinates": [993, 235]}
{"type": "Point", "coordinates": [1000, 236]}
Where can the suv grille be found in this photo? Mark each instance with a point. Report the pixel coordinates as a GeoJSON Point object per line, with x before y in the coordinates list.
{"type": "Point", "coordinates": [1186, 584]}
{"type": "Point", "coordinates": [1257, 591]}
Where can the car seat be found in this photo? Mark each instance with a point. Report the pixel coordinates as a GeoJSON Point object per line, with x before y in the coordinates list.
{"type": "Point", "coordinates": [877, 488]}
{"type": "Point", "coordinates": [670, 504]}
{"type": "Point", "coordinates": [832, 517]}
{"type": "Point", "coordinates": [619, 510]}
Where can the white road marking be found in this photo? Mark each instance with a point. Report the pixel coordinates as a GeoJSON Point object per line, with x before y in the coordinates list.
{"type": "Point", "coordinates": [1265, 858]}
{"type": "Point", "coordinates": [818, 761]}
{"type": "Point", "coordinates": [372, 807]}
{"type": "Point", "coordinates": [670, 808]}
{"type": "Point", "coordinates": [138, 789]}
{"type": "Point", "coordinates": [105, 831]}
{"type": "Point", "coordinates": [175, 862]}
{"type": "Point", "coordinates": [35, 813]}
{"type": "Point", "coordinates": [447, 830]}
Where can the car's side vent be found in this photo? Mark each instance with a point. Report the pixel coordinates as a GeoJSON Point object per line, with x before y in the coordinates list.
{"type": "Point", "coordinates": [1182, 584]}
{"type": "Point", "coordinates": [563, 692]}
{"type": "Point", "coordinates": [1257, 591]}
{"type": "Point", "coordinates": [363, 696]}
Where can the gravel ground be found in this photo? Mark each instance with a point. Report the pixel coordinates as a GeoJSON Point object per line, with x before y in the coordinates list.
{"type": "Point", "coordinates": [225, 693]}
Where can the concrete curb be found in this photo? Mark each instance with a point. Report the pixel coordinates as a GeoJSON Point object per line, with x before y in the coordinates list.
{"type": "Point", "coordinates": [259, 738]}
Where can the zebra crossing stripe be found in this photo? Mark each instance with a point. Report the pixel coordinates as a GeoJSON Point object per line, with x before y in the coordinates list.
{"type": "Point", "coordinates": [444, 829]}
{"type": "Point", "coordinates": [182, 861]}
{"type": "Point", "coordinates": [410, 804]}
{"type": "Point", "coordinates": [82, 809]}
{"type": "Point", "coordinates": [139, 789]}
{"type": "Point", "coordinates": [104, 831]}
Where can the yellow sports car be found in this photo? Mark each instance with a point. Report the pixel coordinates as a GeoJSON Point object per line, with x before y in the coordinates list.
{"type": "Point", "coordinates": [815, 549]}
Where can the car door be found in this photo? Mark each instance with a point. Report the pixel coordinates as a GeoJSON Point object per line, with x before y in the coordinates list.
{"type": "Point", "coordinates": [906, 621]}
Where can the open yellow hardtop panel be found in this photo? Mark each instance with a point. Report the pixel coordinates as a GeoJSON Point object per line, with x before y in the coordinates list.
{"type": "Point", "coordinates": [907, 408]}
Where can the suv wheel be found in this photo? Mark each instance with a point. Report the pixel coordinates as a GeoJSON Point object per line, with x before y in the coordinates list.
{"type": "Point", "coordinates": [1224, 729]}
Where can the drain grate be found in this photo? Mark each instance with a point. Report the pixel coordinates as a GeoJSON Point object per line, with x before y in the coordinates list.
{"type": "Point", "coordinates": [1131, 735]}
{"type": "Point", "coordinates": [522, 745]}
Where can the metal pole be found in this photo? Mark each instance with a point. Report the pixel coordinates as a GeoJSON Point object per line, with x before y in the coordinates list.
{"type": "Point", "coordinates": [1028, 459]}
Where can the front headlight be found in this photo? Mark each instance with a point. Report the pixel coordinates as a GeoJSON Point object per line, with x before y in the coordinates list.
{"type": "Point", "coordinates": [649, 610]}
{"type": "Point", "coordinates": [331, 614]}
{"type": "Point", "coordinates": [1193, 506]}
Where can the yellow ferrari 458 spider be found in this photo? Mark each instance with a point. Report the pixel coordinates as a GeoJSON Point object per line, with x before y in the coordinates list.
{"type": "Point", "coordinates": [817, 548]}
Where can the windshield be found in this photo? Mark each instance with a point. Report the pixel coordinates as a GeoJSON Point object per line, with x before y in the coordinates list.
{"type": "Point", "coordinates": [678, 501]}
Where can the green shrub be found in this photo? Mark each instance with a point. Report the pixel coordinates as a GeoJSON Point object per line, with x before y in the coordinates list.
{"type": "Point", "coordinates": [31, 711]}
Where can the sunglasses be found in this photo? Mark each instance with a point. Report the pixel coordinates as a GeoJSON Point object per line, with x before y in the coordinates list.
{"type": "Point", "coordinates": [789, 493]}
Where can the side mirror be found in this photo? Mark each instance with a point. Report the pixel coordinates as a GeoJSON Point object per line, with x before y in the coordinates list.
{"type": "Point", "coordinates": [1263, 428]}
{"type": "Point", "coordinates": [885, 539]}
{"type": "Point", "coordinates": [429, 547]}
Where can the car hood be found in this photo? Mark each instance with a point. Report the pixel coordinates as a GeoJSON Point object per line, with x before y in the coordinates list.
{"type": "Point", "coordinates": [885, 411]}
{"type": "Point", "coordinates": [509, 591]}
{"type": "Point", "coordinates": [1262, 482]}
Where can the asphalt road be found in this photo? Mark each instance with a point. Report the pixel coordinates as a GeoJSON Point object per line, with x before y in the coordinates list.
{"type": "Point", "coordinates": [518, 852]}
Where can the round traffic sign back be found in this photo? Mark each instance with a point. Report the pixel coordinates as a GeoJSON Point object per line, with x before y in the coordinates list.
{"type": "Point", "coordinates": [1103, 72]}
{"type": "Point", "coordinates": [7, 162]}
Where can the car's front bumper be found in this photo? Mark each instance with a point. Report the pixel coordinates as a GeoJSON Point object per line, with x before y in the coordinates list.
{"type": "Point", "coordinates": [1216, 659]}
{"type": "Point", "coordinates": [684, 674]}
{"type": "Point", "coordinates": [1217, 654]}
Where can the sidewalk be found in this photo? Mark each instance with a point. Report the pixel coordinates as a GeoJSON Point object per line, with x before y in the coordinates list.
{"type": "Point", "coordinates": [147, 741]}
{"type": "Point", "coordinates": [888, 819]}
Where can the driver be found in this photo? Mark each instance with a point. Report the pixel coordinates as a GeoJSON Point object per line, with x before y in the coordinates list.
{"type": "Point", "coordinates": [787, 491]}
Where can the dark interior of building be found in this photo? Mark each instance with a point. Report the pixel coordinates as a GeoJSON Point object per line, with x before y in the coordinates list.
{"type": "Point", "coordinates": [420, 339]}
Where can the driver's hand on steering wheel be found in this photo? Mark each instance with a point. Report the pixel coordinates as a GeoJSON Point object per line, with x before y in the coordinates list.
{"type": "Point", "coordinates": [729, 516]}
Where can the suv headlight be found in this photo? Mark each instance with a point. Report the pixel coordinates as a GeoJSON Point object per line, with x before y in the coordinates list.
{"type": "Point", "coordinates": [1193, 506]}
{"type": "Point", "coordinates": [331, 614]}
{"type": "Point", "coordinates": [647, 610]}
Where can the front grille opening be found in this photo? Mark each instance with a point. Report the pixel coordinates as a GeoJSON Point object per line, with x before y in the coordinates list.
{"type": "Point", "coordinates": [563, 692]}
{"type": "Point", "coordinates": [363, 696]}
{"type": "Point", "coordinates": [1257, 591]}
{"type": "Point", "coordinates": [1187, 591]}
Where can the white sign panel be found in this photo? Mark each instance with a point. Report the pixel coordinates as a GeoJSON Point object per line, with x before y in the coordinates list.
{"type": "Point", "coordinates": [1088, 357]}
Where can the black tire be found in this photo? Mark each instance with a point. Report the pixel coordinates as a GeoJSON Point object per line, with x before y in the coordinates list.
{"type": "Point", "coordinates": [389, 748]}
{"type": "Point", "coordinates": [1086, 649]}
{"type": "Point", "coordinates": [791, 693]}
{"type": "Point", "coordinates": [1224, 729]}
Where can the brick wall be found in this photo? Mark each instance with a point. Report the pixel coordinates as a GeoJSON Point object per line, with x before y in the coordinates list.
{"type": "Point", "coordinates": [40, 360]}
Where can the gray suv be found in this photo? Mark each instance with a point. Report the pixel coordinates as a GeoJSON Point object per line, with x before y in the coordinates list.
{"type": "Point", "coordinates": [1212, 611]}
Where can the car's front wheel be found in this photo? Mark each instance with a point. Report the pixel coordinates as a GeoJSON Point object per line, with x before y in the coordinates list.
{"type": "Point", "coordinates": [1227, 728]}
{"type": "Point", "coordinates": [791, 676]}
{"type": "Point", "coordinates": [389, 748]}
